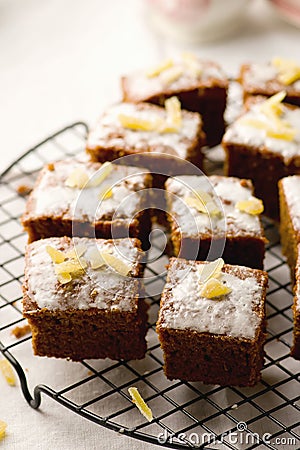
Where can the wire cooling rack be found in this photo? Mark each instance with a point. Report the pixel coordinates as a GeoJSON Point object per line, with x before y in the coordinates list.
{"type": "Point", "coordinates": [186, 415]}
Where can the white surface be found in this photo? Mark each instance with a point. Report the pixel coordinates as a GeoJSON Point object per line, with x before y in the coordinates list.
{"type": "Point", "coordinates": [60, 61]}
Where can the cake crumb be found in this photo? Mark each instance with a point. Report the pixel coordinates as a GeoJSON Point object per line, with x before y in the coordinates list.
{"type": "Point", "coordinates": [24, 190]}
{"type": "Point", "coordinates": [19, 332]}
{"type": "Point", "coordinates": [7, 372]}
{"type": "Point", "coordinates": [140, 403]}
{"type": "Point", "coordinates": [3, 426]}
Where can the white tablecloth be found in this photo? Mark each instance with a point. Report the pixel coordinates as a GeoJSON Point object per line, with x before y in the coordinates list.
{"type": "Point", "coordinates": [60, 62]}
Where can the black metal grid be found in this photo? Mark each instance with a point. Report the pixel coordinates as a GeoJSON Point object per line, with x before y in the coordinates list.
{"type": "Point", "coordinates": [272, 406]}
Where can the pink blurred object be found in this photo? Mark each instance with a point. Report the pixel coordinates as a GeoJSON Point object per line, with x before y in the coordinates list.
{"type": "Point", "coordinates": [288, 10]}
{"type": "Point", "coordinates": [197, 20]}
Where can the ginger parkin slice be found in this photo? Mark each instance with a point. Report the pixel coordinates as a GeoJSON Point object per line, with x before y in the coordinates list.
{"type": "Point", "coordinates": [140, 403]}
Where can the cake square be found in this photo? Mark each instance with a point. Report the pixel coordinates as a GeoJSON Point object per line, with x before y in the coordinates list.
{"type": "Point", "coordinates": [216, 339]}
{"type": "Point", "coordinates": [215, 216]}
{"type": "Point", "coordinates": [200, 85]}
{"type": "Point", "coordinates": [149, 136]}
{"type": "Point", "coordinates": [289, 195]}
{"type": "Point", "coordinates": [78, 198]}
{"type": "Point", "coordinates": [295, 350]}
{"type": "Point", "coordinates": [264, 146]}
{"type": "Point", "coordinates": [82, 298]}
{"type": "Point", "coordinates": [271, 77]}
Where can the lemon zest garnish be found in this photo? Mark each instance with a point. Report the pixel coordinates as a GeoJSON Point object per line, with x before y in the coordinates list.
{"type": "Point", "coordinates": [3, 427]}
{"type": "Point", "coordinates": [171, 75]}
{"type": "Point", "coordinates": [272, 109]}
{"type": "Point", "coordinates": [203, 202]}
{"type": "Point", "coordinates": [289, 70]}
{"type": "Point", "coordinates": [104, 171]}
{"type": "Point", "coordinates": [212, 269]}
{"type": "Point", "coordinates": [115, 263]}
{"type": "Point", "coordinates": [64, 278]}
{"type": "Point", "coordinates": [76, 252]}
{"type": "Point", "coordinates": [57, 256]}
{"type": "Point", "coordinates": [282, 132]}
{"type": "Point", "coordinates": [213, 288]}
{"type": "Point", "coordinates": [212, 209]}
{"type": "Point", "coordinates": [192, 63]}
{"type": "Point", "coordinates": [135, 123]}
{"type": "Point", "coordinates": [71, 266]}
{"type": "Point", "coordinates": [253, 206]}
{"type": "Point", "coordinates": [285, 134]}
{"type": "Point", "coordinates": [152, 73]}
{"type": "Point", "coordinates": [96, 259]}
{"type": "Point", "coordinates": [7, 372]}
{"type": "Point", "coordinates": [105, 193]}
{"type": "Point", "coordinates": [77, 179]}
{"type": "Point", "coordinates": [197, 203]}
{"type": "Point", "coordinates": [173, 110]}
{"type": "Point", "coordinates": [140, 403]}
{"type": "Point", "coordinates": [67, 263]}
{"type": "Point", "coordinates": [204, 196]}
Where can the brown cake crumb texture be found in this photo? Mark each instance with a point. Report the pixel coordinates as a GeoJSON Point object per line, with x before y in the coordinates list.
{"type": "Point", "coordinates": [295, 350]}
{"type": "Point", "coordinates": [67, 331]}
{"type": "Point", "coordinates": [211, 358]}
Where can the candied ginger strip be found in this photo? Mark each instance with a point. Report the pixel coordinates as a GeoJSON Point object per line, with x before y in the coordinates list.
{"type": "Point", "coordinates": [104, 171]}
{"type": "Point", "coordinates": [152, 73]}
{"type": "Point", "coordinates": [252, 206]}
{"type": "Point", "coordinates": [140, 403]}
{"type": "Point", "coordinates": [7, 372]}
{"type": "Point", "coordinates": [214, 288]}
{"type": "Point", "coordinates": [212, 269]}
{"type": "Point", "coordinates": [3, 426]}
{"type": "Point", "coordinates": [115, 263]}
{"type": "Point", "coordinates": [77, 179]}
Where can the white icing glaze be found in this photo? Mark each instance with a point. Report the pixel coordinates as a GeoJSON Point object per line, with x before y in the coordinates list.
{"type": "Point", "coordinates": [232, 315]}
{"type": "Point", "coordinates": [113, 290]}
{"type": "Point", "coordinates": [140, 87]}
{"type": "Point", "coordinates": [227, 191]}
{"type": "Point", "coordinates": [291, 188]}
{"type": "Point", "coordinates": [259, 74]}
{"type": "Point", "coordinates": [109, 132]}
{"type": "Point", "coordinates": [242, 133]}
{"type": "Point", "coordinates": [53, 198]}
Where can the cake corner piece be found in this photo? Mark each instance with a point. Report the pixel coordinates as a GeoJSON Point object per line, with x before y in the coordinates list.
{"type": "Point", "coordinates": [92, 305]}
{"type": "Point", "coordinates": [216, 335]}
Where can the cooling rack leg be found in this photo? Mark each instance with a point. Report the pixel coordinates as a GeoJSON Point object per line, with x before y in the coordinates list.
{"type": "Point", "coordinates": [34, 401]}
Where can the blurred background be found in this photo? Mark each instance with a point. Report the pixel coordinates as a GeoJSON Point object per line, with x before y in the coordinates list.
{"type": "Point", "coordinates": [60, 61]}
